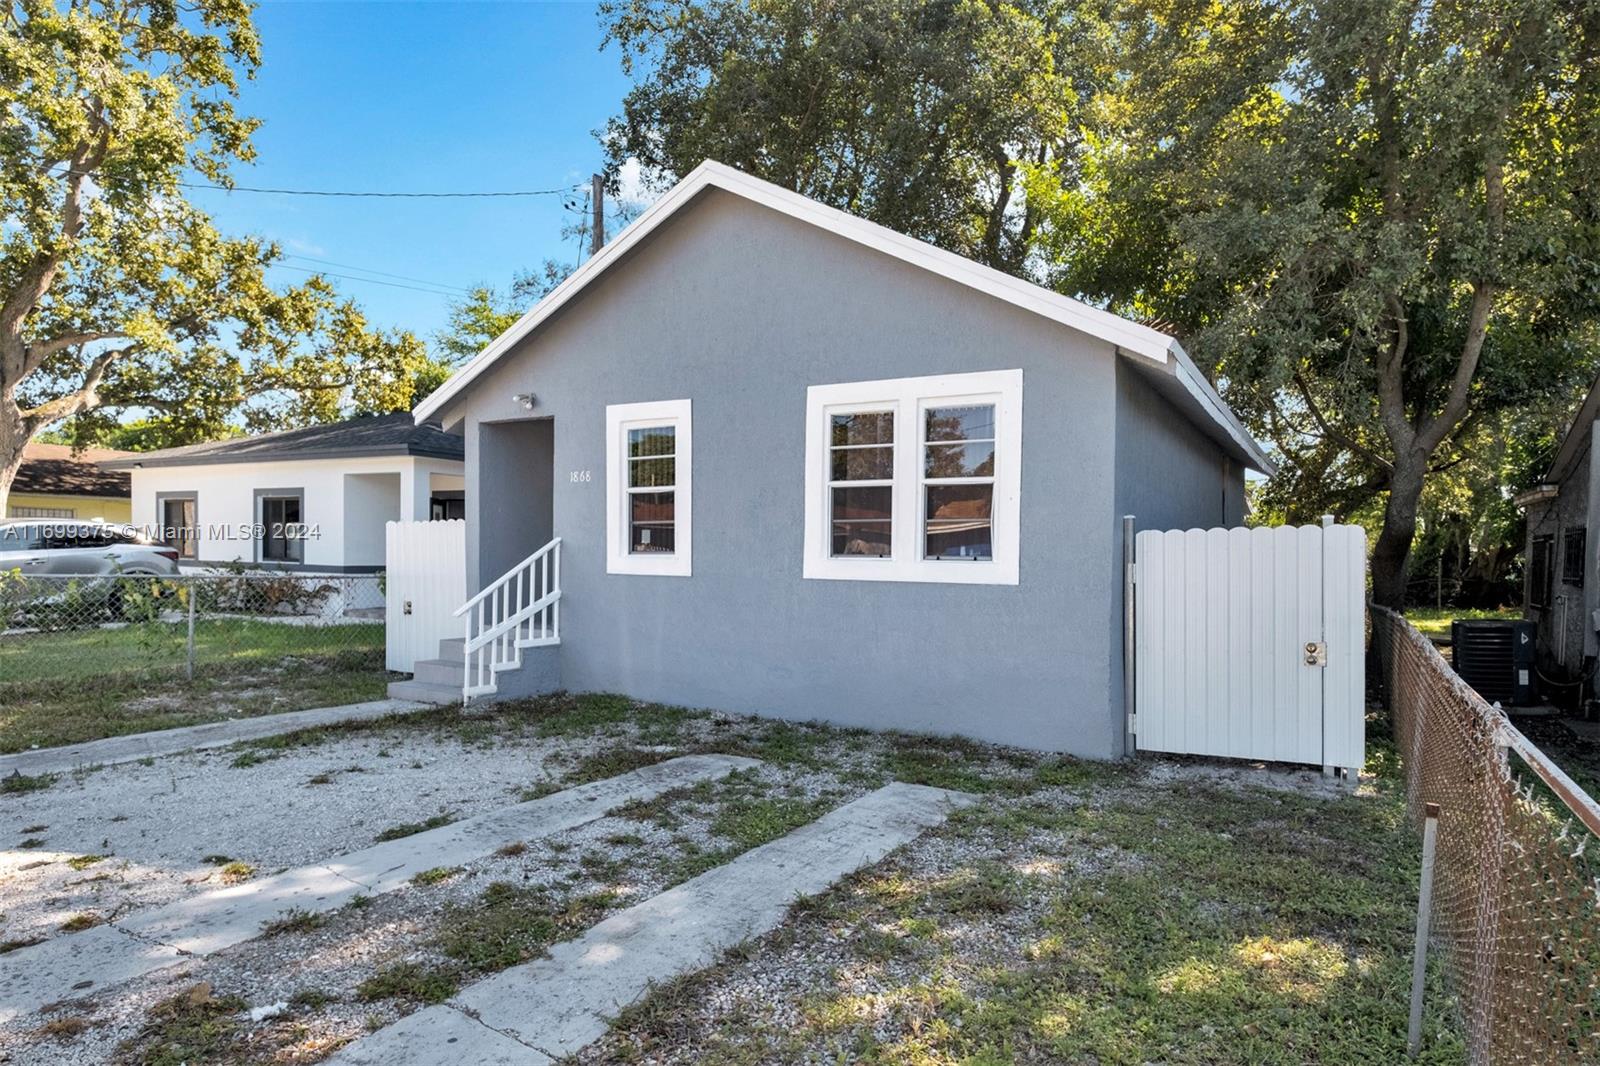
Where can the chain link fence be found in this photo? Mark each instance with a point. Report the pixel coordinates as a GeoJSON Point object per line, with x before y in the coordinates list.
{"type": "Point", "coordinates": [1516, 891]}
{"type": "Point", "coordinates": [235, 636]}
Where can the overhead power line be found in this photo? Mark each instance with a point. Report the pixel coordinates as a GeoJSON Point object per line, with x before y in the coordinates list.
{"type": "Point", "coordinates": [344, 192]}
{"type": "Point", "coordinates": [381, 273]}
{"type": "Point", "coordinates": [382, 195]}
{"type": "Point", "coordinates": [369, 281]}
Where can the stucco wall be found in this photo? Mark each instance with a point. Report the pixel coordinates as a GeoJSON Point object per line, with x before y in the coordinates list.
{"type": "Point", "coordinates": [1169, 474]}
{"type": "Point", "coordinates": [1566, 632]}
{"type": "Point", "coordinates": [226, 504]}
{"type": "Point", "coordinates": [740, 309]}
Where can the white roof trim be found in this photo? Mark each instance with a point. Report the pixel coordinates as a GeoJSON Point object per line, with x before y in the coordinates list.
{"type": "Point", "coordinates": [1130, 338]}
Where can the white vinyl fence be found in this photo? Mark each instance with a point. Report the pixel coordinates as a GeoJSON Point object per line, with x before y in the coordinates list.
{"type": "Point", "coordinates": [426, 569]}
{"type": "Point", "coordinates": [1249, 643]}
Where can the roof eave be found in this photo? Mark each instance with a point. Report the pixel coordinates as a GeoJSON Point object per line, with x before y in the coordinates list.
{"type": "Point", "coordinates": [220, 458]}
{"type": "Point", "coordinates": [1126, 336]}
{"type": "Point", "coordinates": [1536, 494]}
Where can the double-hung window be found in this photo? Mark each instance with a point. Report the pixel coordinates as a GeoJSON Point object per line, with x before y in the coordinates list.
{"type": "Point", "coordinates": [648, 486]}
{"type": "Point", "coordinates": [915, 479]}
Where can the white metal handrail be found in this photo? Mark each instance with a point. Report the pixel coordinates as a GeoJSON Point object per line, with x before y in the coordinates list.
{"type": "Point", "coordinates": [519, 609]}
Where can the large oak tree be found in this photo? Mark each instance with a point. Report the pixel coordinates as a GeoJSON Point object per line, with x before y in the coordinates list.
{"type": "Point", "coordinates": [118, 294]}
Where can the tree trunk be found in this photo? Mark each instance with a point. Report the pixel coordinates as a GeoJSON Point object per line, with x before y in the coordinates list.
{"type": "Point", "coordinates": [1393, 550]}
{"type": "Point", "coordinates": [13, 438]}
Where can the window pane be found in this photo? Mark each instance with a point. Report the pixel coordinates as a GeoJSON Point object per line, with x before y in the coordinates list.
{"type": "Point", "coordinates": [960, 460]}
{"type": "Point", "coordinates": [652, 440]}
{"type": "Point", "coordinates": [651, 473]}
{"type": "Point", "coordinates": [868, 427]}
{"type": "Point", "coordinates": [862, 520]}
{"type": "Point", "coordinates": [863, 464]}
{"type": "Point", "coordinates": [975, 422]}
{"type": "Point", "coordinates": [959, 522]}
{"type": "Point", "coordinates": [650, 522]}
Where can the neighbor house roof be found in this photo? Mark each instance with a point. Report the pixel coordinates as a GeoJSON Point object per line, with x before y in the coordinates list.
{"type": "Point", "coordinates": [394, 434]}
{"type": "Point", "coordinates": [55, 470]}
{"type": "Point", "coordinates": [1158, 354]}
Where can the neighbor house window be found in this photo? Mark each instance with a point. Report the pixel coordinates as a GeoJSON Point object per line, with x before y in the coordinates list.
{"type": "Point", "coordinates": [1540, 571]}
{"type": "Point", "coordinates": [648, 468]}
{"type": "Point", "coordinates": [915, 479]}
{"type": "Point", "coordinates": [1572, 553]}
{"type": "Point", "coordinates": [21, 511]}
{"type": "Point", "coordinates": [179, 529]}
{"type": "Point", "coordinates": [282, 526]}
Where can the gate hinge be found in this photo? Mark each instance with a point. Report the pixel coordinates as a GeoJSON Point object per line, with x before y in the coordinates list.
{"type": "Point", "coordinates": [1316, 653]}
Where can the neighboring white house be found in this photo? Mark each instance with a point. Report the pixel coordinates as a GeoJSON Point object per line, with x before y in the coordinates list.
{"type": "Point", "coordinates": [313, 499]}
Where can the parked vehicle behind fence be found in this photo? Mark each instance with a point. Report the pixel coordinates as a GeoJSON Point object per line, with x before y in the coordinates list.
{"type": "Point", "coordinates": [56, 547]}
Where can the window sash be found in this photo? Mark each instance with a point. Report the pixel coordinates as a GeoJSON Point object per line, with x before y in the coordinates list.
{"type": "Point", "coordinates": [648, 487]}
{"type": "Point", "coordinates": [958, 463]}
{"type": "Point", "coordinates": [631, 490]}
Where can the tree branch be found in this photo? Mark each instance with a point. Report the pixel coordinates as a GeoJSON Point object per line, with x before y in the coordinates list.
{"type": "Point", "coordinates": [40, 274]}
{"type": "Point", "coordinates": [1334, 434]}
{"type": "Point", "coordinates": [34, 355]}
{"type": "Point", "coordinates": [81, 399]}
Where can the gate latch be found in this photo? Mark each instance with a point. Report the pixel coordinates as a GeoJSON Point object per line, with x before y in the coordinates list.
{"type": "Point", "coordinates": [1316, 653]}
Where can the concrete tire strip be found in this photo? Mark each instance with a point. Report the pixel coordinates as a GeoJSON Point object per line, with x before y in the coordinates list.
{"type": "Point", "coordinates": [136, 746]}
{"type": "Point", "coordinates": [541, 1011]}
{"type": "Point", "coordinates": [69, 964]}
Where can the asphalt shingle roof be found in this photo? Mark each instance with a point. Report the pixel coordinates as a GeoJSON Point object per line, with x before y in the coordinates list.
{"type": "Point", "coordinates": [393, 434]}
{"type": "Point", "coordinates": [53, 470]}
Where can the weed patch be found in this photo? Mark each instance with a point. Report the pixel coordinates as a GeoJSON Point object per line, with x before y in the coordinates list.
{"type": "Point", "coordinates": [411, 981]}
{"type": "Point", "coordinates": [17, 782]}
{"type": "Point", "coordinates": [406, 829]}
{"type": "Point", "coordinates": [294, 920]}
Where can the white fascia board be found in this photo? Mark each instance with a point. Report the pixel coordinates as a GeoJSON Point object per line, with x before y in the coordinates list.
{"type": "Point", "coordinates": [1129, 338]}
{"type": "Point", "coordinates": [1205, 394]}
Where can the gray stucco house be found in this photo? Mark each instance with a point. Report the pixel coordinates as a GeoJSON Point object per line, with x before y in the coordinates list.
{"type": "Point", "coordinates": [805, 466]}
{"type": "Point", "coordinates": [1559, 584]}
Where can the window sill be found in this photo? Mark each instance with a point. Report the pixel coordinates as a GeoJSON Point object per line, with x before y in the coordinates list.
{"type": "Point", "coordinates": [926, 571]}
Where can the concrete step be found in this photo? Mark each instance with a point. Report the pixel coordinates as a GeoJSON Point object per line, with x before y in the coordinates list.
{"type": "Point", "coordinates": [423, 692]}
{"type": "Point", "coordinates": [453, 648]}
{"type": "Point", "coordinates": [439, 671]}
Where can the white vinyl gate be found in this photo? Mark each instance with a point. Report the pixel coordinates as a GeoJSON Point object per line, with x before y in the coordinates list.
{"type": "Point", "coordinates": [425, 574]}
{"type": "Point", "coordinates": [1249, 643]}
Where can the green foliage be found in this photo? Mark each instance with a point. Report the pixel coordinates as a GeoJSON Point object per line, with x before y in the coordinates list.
{"type": "Point", "coordinates": [116, 293]}
{"type": "Point", "coordinates": [1372, 222]}
{"type": "Point", "coordinates": [918, 116]}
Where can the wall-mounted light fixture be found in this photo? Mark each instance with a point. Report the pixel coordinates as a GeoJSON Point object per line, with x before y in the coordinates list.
{"type": "Point", "coordinates": [526, 399]}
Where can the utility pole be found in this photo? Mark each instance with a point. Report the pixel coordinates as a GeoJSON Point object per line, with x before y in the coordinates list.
{"type": "Point", "coordinates": [597, 226]}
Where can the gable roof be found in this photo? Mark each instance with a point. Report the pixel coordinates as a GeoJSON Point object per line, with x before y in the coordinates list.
{"type": "Point", "coordinates": [392, 434]}
{"type": "Point", "coordinates": [1576, 435]}
{"type": "Point", "coordinates": [1152, 351]}
{"type": "Point", "coordinates": [54, 470]}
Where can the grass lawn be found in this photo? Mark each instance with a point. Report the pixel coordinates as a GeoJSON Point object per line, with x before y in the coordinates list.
{"type": "Point", "coordinates": [1173, 921]}
{"type": "Point", "coordinates": [1157, 910]}
{"type": "Point", "coordinates": [74, 685]}
{"type": "Point", "coordinates": [1435, 622]}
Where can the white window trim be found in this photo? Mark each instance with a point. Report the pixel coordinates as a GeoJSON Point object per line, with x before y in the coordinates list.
{"type": "Point", "coordinates": [620, 418]}
{"type": "Point", "coordinates": [908, 398]}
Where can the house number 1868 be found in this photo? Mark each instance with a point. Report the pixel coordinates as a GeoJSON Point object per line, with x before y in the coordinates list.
{"type": "Point", "coordinates": [581, 476]}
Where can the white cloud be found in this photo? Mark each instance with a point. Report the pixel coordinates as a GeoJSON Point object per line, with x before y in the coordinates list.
{"type": "Point", "coordinates": [632, 189]}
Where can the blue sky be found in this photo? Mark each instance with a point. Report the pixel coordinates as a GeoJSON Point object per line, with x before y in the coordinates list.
{"type": "Point", "coordinates": [420, 97]}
